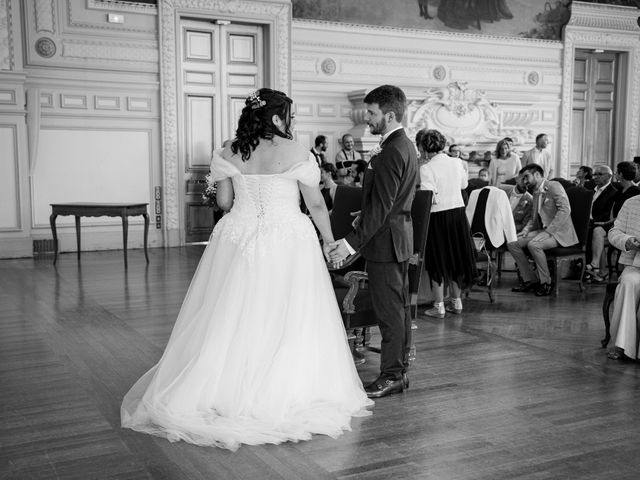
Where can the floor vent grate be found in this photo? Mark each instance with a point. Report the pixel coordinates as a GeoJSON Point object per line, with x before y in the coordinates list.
{"type": "Point", "coordinates": [43, 246]}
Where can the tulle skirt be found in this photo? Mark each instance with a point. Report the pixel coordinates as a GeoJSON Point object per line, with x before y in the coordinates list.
{"type": "Point", "coordinates": [258, 353]}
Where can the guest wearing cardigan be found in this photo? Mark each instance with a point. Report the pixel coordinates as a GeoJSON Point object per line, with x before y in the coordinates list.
{"type": "Point", "coordinates": [449, 258]}
{"type": "Point", "coordinates": [505, 166]}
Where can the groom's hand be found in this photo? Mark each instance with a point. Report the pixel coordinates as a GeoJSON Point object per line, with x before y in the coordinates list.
{"type": "Point", "coordinates": [338, 252]}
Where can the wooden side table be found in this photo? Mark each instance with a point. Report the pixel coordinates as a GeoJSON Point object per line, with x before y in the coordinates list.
{"type": "Point", "coordinates": [80, 209]}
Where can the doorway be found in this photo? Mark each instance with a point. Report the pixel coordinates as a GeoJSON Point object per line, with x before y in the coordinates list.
{"type": "Point", "coordinates": [595, 120]}
{"type": "Point", "coordinates": [220, 63]}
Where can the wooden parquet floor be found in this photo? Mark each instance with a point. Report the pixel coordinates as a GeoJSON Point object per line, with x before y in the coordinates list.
{"type": "Point", "coordinates": [519, 389]}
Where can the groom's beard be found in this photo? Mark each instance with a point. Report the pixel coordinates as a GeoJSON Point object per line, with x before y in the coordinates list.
{"type": "Point", "coordinates": [378, 128]}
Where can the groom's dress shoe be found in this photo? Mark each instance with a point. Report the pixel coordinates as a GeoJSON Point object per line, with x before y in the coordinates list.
{"type": "Point", "coordinates": [383, 387]}
{"type": "Point", "coordinates": [526, 287]}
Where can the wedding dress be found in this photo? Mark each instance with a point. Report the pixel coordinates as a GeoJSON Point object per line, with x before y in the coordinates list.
{"type": "Point", "coordinates": [258, 353]}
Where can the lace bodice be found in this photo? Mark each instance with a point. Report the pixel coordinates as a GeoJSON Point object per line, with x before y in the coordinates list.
{"type": "Point", "coordinates": [265, 207]}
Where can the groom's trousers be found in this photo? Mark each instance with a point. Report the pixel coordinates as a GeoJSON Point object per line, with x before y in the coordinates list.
{"type": "Point", "coordinates": [389, 289]}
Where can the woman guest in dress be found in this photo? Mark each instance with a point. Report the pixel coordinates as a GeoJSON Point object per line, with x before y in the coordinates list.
{"type": "Point", "coordinates": [449, 259]}
{"type": "Point", "coordinates": [505, 166]}
{"type": "Point", "coordinates": [258, 353]}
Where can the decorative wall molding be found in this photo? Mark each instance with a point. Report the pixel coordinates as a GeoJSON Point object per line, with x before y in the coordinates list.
{"type": "Point", "coordinates": [73, 101]}
{"type": "Point", "coordinates": [415, 32]}
{"type": "Point", "coordinates": [593, 16]}
{"type": "Point", "coordinates": [10, 183]}
{"type": "Point", "coordinates": [115, 5]}
{"type": "Point", "coordinates": [75, 19]}
{"type": "Point", "coordinates": [106, 102]}
{"type": "Point", "coordinates": [45, 47]}
{"type": "Point", "coordinates": [136, 52]}
{"type": "Point", "coordinates": [7, 97]}
{"type": "Point", "coordinates": [6, 47]}
{"type": "Point", "coordinates": [328, 66]}
{"type": "Point", "coordinates": [604, 27]}
{"type": "Point", "coordinates": [276, 17]}
{"type": "Point", "coordinates": [139, 104]}
{"type": "Point", "coordinates": [46, 100]}
{"type": "Point", "coordinates": [45, 16]}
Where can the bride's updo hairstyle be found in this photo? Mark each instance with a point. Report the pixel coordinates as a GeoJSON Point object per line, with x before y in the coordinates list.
{"type": "Point", "coordinates": [256, 120]}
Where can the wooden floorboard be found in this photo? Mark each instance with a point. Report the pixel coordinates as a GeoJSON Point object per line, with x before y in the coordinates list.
{"type": "Point", "coordinates": [518, 389]}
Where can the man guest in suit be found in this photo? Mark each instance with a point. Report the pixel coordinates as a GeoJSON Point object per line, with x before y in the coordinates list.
{"type": "Point", "coordinates": [539, 155]}
{"type": "Point", "coordinates": [521, 202]}
{"type": "Point", "coordinates": [319, 149]}
{"type": "Point", "coordinates": [601, 220]}
{"type": "Point", "coordinates": [384, 234]}
{"type": "Point", "coordinates": [550, 225]}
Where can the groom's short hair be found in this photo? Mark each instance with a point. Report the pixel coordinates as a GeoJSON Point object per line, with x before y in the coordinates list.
{"type": "Point", "coordinates": [389, 98]}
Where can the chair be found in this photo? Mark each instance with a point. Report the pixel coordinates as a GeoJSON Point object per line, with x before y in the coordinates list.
{"type": "Point", "coordinates": [609, 296]}
{"type": "Point", "coordinates": [580, 201]}
{"type": "Point", "coordinates": [488, 255]}
{"type": "Point", "coordinates": [352, 290]}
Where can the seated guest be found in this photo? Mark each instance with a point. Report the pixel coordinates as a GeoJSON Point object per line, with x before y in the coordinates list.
{"type": "Point", "coordinates": [486, 159]}
{"type": "Point", "coordinates": [636, 162]}
{"type": "Point", "coordinates": [625, 174]}
{"type": "Point", "coordinates": [357, 172]}
{"type": "Point", "coordinates": [600, 222]}
{"type": "Point", "coordinates": [327, 184]}
{"type": "Point", "coordinates": [521, 202]}
{"type": "Point", "coordinates": [345, 158]}
{"type": "Point", "coordinates": [566, 184]}
{"type": "Point", "coordinates": [319, 148]}
{"type": "Point", "coordinates": [506, 165]}
{"type": "Point", "coordinates": [625, 236]}
{"type": "Point", "coordinates": [584, 177]}
{"type": "Point", "coordinates": [480, 182]}
{"type": "Point", "coordinates": [550, 226]}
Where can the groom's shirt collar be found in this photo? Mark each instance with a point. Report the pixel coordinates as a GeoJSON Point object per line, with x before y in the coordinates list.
{"type": "Point", "coordinates": [386, 135]}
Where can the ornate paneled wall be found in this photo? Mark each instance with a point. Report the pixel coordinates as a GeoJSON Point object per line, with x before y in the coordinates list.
{"type": "Point", "coordinates": [85, 104]}
{"type": "Point", "coordinates": [334, 64]}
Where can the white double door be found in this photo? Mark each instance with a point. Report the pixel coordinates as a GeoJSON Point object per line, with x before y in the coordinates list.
{"type": "Point", "coordinates": [220, 64]}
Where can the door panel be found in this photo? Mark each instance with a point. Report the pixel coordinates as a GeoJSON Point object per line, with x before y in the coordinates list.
{"type": "Point", "coordinates": [220, 65]}
{"type": "Point", "coordinates": [593, 117]}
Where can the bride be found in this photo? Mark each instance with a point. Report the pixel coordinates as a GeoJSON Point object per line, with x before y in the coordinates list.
{"type": "Point", "coordinates": [258, 353]}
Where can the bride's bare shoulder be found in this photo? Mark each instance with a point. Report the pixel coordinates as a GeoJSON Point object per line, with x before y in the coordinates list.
{"type": "Point", "coordinates": [295, 151]}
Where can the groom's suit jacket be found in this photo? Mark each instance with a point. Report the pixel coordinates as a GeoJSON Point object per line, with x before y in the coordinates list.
{"type": "Point", "coordinates": [385, 233]}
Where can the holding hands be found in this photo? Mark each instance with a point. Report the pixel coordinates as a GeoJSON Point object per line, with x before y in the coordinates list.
{"type": "Point", "coordinates": [335, 252]}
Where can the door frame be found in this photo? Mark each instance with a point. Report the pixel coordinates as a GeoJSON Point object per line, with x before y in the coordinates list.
{"type": "Point", "coordinates": [274, 17]}
{"type": "Point", "coordinates": [611, 28]}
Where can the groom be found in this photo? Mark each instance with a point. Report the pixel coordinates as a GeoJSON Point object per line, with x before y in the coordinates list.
{"type": "Point", "coordinates": [384, 234]}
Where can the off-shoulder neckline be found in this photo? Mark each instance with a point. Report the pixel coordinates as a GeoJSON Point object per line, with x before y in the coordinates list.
{"type": "Point", "coordinates": [220, 157]}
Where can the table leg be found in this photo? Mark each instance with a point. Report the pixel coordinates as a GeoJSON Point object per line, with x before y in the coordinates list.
{"type": "Point", "coordinates": [146, 234]}
{"type": "Point", "coordinates": [78, 235]}
{"type": "Point", "coordinates": [125, 228]}
{"type": "Point", "coordinates": [52, 221]}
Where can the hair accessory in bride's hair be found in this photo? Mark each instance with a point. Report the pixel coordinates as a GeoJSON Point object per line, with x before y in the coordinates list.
{"type": "Point", "coordinates": [255, 101]}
